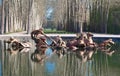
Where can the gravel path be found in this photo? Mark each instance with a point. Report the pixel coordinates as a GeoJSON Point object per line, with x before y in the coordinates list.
{"type": "Point", "coordinates": [23, 34]}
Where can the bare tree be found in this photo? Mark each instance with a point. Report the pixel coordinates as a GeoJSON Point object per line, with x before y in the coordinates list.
{"type": "Point", "coordinates": [71, 14]}
{"type": "Point", "coordinates": [2, 22]}
{"type": "Point", "coordinates": [22, 15]}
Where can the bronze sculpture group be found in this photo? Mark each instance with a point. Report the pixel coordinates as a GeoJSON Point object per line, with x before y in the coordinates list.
{"type": "Point", "coordinates": [83, 45]}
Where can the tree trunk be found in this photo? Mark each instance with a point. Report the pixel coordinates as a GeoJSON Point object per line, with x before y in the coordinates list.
{"type": "Point", "coordinates": [3, 17]}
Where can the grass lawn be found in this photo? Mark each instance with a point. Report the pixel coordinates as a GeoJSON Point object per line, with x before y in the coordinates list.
{"type": "Point", "coordinates": [54, 31]}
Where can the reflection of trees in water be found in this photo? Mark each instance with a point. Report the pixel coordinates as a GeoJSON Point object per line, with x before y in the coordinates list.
{"type": "Point", "coordinates": [100, 65]}
{"type": "Point", "coordinates": [0, 50]}
{"type": "Point", "coordinates": [1, 57]}
{"type": "Point", "coordinates": [72, 66]}
{"type": "Point", "coordinates": [21, 65]}
{"type": "Point", "coordinates": [15, 65]}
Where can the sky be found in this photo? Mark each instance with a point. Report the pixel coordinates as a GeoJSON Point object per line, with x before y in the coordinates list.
{"type": "Point", "coordinates": [49, 13]}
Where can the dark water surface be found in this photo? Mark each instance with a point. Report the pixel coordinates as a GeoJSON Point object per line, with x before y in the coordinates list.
{"type": "Point", "coordinates": [20, 63]}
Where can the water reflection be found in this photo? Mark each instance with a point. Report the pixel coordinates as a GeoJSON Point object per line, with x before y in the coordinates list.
{"type": "Point", "coordinates": [107, 51]}
{"type": "Point", "coordinates": [48, 62]}
{"type": "Point", "coordinates": [38, 55]}
{"type": "Point", "coordinates": [50, 67]}
{"type": "Point", "coordinates": [84, 54]}
{"type": "Point", "coordinates": [0, 69]}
